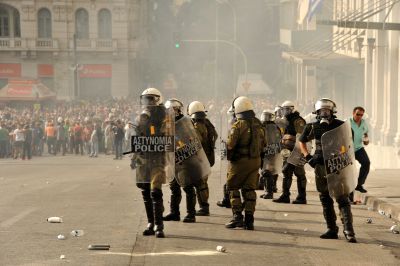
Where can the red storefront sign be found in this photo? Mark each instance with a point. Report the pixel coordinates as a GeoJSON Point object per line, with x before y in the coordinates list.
{"type": "Point", "coordinates": [10, 70]}
{"type": "Point", "coordinates": [95, 71]}
{"type": "Point", "coordinates": [45, 70]}
{"type": "Point", "coordinates": [20, 87]}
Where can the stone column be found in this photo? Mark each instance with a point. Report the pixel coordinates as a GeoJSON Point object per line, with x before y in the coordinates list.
{"type": "Point", "coordinates": [390, 106]}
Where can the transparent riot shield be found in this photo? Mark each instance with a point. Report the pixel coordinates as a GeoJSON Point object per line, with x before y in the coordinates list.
{"type": "Point", "coordinates": [152, 144]}
{"type": "Point", "coordinates": [296, 157]}
{"type": "Point", "coordinates": [339, 159]}
{"type": "Point", "coordinates": [191, 163]}
{"type": "Point", "coordinates": [226, 121]}
{"type": "Point", "coordinates": [272, 157]}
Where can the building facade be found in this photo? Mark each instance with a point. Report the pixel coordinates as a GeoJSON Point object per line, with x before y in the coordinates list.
{"type": "Point", "coordinates": [79, 48]}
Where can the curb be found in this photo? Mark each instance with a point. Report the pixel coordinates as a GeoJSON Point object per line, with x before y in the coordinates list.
{"type": "Point", "coordinates": [377, 204]}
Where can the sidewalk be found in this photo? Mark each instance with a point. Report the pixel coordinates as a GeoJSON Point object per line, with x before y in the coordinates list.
{"type": "Point", "coordinates": [383, 182]}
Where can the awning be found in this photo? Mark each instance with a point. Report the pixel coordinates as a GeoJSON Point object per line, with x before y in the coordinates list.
{"type": "Point", "coordinates": [25, 90]}
{"type": "Point", "coordinates": [319, 59]}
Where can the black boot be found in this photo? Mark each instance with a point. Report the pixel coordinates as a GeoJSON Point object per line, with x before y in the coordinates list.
{"type": "Point", "coordinates": [268, 186]}
{"type": "Point", "coordinates": [190, 205]}
{"type": "Point", "coordinates": [248, 221]}
{"type": "Point", "coordinates": [285, 197]}
{"type": "Point", "coordinates": [225, 202]}
{"type": "Point", "coordinates": [347, 219]}
{"type": "Point", "coordinates": [237, 221]}
{"type": "Point", "coordinates": [176, 198]}
{"type": "Point", "coordinates": [158, 209]}
{"type": "Point", "coordinates": [202, 194]}
{"type": "Point", "coordinates": [330, 217]}
{"type": "Point", "coordinates": [148, 205]}
{"type": "Point", "coordinates": [301, 189]}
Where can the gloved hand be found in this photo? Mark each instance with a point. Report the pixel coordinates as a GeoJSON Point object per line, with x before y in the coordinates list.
{"type": "Point", "coordinates": [311, 161]}
{"type": "Point", "coordinates": [133, 164]}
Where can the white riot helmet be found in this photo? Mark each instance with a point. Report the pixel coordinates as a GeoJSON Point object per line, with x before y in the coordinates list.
{"type": "Point", "coordinates": [325, 103]}
{"type": "Point", "coordinates": [325, 109]}
{"type": "Point", "coordinates": [242, 104]}
{"type": "Point", "coordinates": [176, 105]}
{"type": "Point", "coordinates": [59, 119]}
{"type": "Point", "coordinates": [267, 116]}
{"type": "Point", "coordinates": [196, 109]}
{"type": "Point", "coordinates": [151, 96]}
{"type": "Point", "coordinates": [288, 107]}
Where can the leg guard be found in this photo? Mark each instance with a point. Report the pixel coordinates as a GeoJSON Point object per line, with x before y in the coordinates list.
{"type": "Point", "coordinates": [329, 215]}
{"type": "Point", "coordinates": [202, 194]}
{"type": "Point", "coordinates": [148, 204]}
{"type": "Point", "coordinates": [158, 209]}
{"type": "Point", "coordinates": [249, 203]}
{"type": "Point", "coordinates": [190, 204]}
{"type": "Point", "coordinates": [347, 219]}
{"type": "Point", "coordinates": [248, 221]}
{"type": "Point", "coordinates": [236, 201]}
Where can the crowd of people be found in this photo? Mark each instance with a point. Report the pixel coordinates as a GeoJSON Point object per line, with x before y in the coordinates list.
{"type": "Point", "coordinates": [81, 128]}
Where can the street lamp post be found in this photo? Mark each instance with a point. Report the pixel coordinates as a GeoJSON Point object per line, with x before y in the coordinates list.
{"type": "Point", "coordinates": [234, 15]}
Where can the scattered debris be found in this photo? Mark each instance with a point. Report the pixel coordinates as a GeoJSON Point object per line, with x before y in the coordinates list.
{"type": "Point", "coordinates": [221, 249]}
{"type": "Point", "coordinates": [395, 229]}
{"type": "Point", "coordinates": [54, 220]}
{"type": "Point", "coordinates": [369, 220]}
{"type": "Point", "coordinates": [61, 237]}
{"type": "Point", "coordinates": [77, 233]}
{"type": "Point", "coordinates": [62, 257]}
{"type": "Point", "coordinates": [99, 247]}
{"type": "Point", "coordinates": [285, 214]}
{"type": "Point", "coordinates": [381, 212]}
{"type": "Point", "coordinates": [305, 229]}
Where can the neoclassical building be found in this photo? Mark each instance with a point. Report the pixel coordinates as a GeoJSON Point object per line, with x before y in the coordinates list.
{"type": "Point", "coordinates": [351, 53]}
{"type": "Point", "coordinates": [79, 48]}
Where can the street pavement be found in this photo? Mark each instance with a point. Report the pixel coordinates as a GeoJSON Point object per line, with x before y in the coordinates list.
{"type": "Point", "coordinates": [99, 196]}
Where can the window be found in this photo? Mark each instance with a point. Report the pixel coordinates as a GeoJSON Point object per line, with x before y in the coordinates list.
{"type": "Point", "coordinates": [104, 21]}
{"type": "Point", "coordinates": [82, 24]}
{"type": "Point", "coordinates": [4, 23]}
{"type": "Point", "coordinates": [44, 23]}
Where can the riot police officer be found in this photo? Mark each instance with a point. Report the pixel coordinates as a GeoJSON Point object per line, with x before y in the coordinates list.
{"type": "Point", "coordinates": [328, 131]}
{"type": "Point", "coordinates": [151, 172]}
{"type": "Point", "coordinates": [191, 166]}
{"type": "Point", "coordinates": [208, 136]}
{"type": "Point", "coordinates": [295, 125]}
{"type": "Point", "coordinates": [225, 202]}
{"type": "Point", "coordinates": [244, 146]}
{"type": "Point", "coordinates": [271, 154]}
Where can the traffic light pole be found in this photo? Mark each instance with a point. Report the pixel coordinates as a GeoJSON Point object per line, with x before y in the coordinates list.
{"type": "Point", "coordinates": [229, 43]}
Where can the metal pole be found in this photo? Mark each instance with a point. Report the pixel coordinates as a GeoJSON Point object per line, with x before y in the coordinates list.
{"type": "Point", "coordinates": [216, 53]}
{"type": "Point", "coordinates": [75, 94]}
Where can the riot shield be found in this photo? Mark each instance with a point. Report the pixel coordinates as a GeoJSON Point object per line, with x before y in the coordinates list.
{"type": "Point", "coordinates": [226, 121]}
{"type": "Point", "coordinates": [191, 163]}
{"type": "Point", "coordinates": [272, 160]}
{"type": "Point", "coordinates": [152, 144]}
{"type": "Point", "coordinates": [339, 159]}
{"type": "Point", "coordinates": [296, 157]}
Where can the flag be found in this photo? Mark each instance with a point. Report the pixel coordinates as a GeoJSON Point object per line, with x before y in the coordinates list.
{"type": "Point", "coordinates": [314, 6]}
{"type": "Point", "coordinates": [302, 10]}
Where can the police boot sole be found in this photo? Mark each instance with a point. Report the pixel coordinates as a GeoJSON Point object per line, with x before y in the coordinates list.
{"type": "Point", "coordinates": [268, 196]}
{"type": "Point", "coordinates": [351, 239]}
{"type": "Point", "coordinates": [329, 236]}
{"type": "Point", "coordinates": [189, 220]}
{"type": "Point", "coordinates": [201, 213]}
{"type": "Point", "coordinates": [160, 234]}
{"type": "Point", "coordinates": [223, 204]}
{"type": "Point", "coordinates": [233, 225]}
{"type": "Point", "coordinates": [282, 201]}
{"type": "Point", "coordinates": [299, 202]}
{"type": "Point", "coordinates": [248, 227]}
{"type": "Point", "coordinates": [148, 232]}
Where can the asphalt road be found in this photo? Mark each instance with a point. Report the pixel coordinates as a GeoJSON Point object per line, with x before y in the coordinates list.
{"type": "Point", "coordinates": [99, 196]}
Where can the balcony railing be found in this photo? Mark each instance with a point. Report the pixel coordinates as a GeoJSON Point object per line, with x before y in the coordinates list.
{"type": "Point", "coordinates": [21, 44]}
{"type": "Point", "coordinates": [104, 45]}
